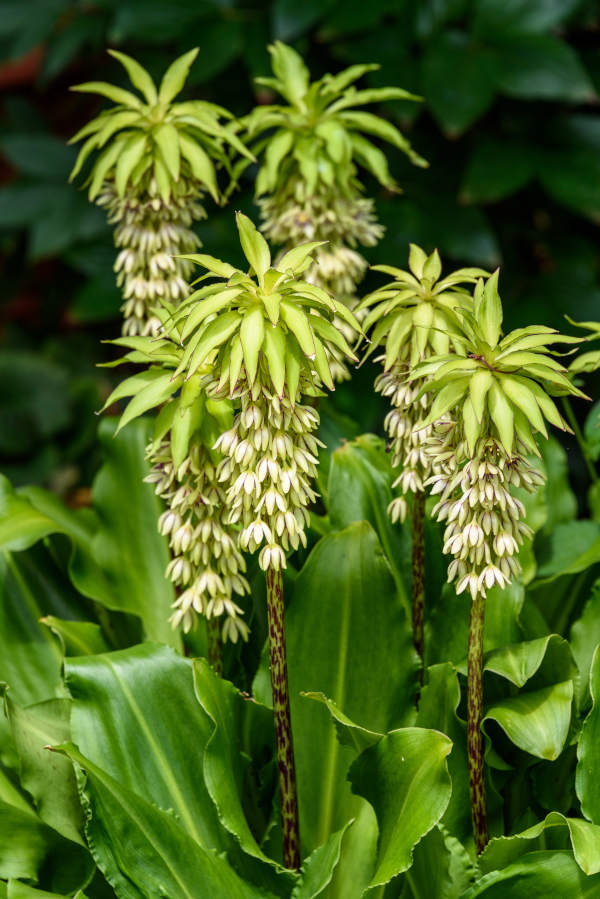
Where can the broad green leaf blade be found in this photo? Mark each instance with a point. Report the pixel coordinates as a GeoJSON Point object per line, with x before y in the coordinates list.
{"type": "Point", "coordinates": [441, 866]}
{"type": "Point", "coordinates": [77, 638]}
{"type": "Point", "coordinates": [48, 780]}
{"type": "Point", "coordinates": [21, 524]}
{"type": "Point", "coordinates": [584, 838]}
{"type": "Point", "coordinates": [30, 659]}
{"type": "Point", "coordinates": [583, 639]}
{"type": "Point", "coordinates": [538, 721]}
{"type": "Point", "coordinates": [587, 783]}
{"type": "Point", "coordinates": [537, 875]}
{"type": "Point", "coordinates": [143, 851]}
{"type": "Point", "coordinates": [438, 703]}
{"type": "Point", "coordinates": [359, 488]}
{"type": "Point", "coordinates": [349, 733]}
{"type": "Point", "coordinates": [109, 546]}
{"type": "Point", "coordinates": [231, 721]}
{"type": "Point", "coordinates": [405, 778]}
{"type": "Point", "coordinates": [133, 713]}
{"type": "Point", "coordinates": [317, 870]}
{"type": "Point", "coordinates": [519, 662]}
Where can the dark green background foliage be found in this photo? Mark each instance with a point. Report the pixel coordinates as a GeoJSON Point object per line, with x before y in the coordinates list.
{"type": "Point", "coordinates": [510, 125]}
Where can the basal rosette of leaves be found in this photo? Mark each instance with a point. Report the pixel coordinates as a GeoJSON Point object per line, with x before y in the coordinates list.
{"type": "Point", "coordinates": [411, 319]}
{"type": "Point", "coordinates": [156, 160]}
{"type": "Point", "coordinates": [206, 564]}
{"type": "Point", "coordinates": [496, 392]}
{"type": "Point", "coordinates": [308, 184]}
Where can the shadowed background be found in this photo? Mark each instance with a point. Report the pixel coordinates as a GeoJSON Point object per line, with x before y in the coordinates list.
{"type": "Point", "coordinates": [510, 125]}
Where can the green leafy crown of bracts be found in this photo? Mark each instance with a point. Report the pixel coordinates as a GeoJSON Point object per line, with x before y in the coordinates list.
{"type": "Point", "coordinates": [151, 134]}
{"type": "Point", "coordinates": [319, 136]}
{"type": "Point", "coordinates": [501, 385]}
{"type": "Point", "coordinates": [416, 309]}
{"type": "Point", "coordinates": [266, 322]}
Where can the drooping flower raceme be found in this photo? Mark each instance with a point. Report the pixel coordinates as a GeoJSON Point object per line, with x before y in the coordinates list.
{"type": "Point", "coordinates": [490, 399]}
{"type": "Point", "coordinates": [157, 158]}
{"type": "Point", "coordinates": [206, 566]}
{"type": "Point", "coordinates": [413, 317]}
{"type": "Point", "coordinates": [268, 333]}
{"type": "Point", "coordinates": [308, 185]}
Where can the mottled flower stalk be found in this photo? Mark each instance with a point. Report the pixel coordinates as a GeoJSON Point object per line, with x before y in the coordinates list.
{"type": "Point", "coordinates": [418, 575]}
{"type": "Point", "coordinates": [150, 235]}
{"type": "Point", "coordinates": [206, 563]}
{"type": "Point", "coordinates": [489, 399]}
{"type": "Point", "coordinates": [283, 725]}
{"type": "Point", "coordinates": [474, 720]}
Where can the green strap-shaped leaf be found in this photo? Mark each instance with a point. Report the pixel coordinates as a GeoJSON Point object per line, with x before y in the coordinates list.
{"type": "Point", "coordinates": [167, 138]}
{"type": "Point", "coordinates": [537, 722]}
{"type": "Point", "coordinates": [587, 783]}
{"type": "Point", "coordinates": [154, 394]}
{"type": "Point", "coordinates": [175, 76]}
{"type": "Point", "coordinates": [160, 857]}
{"type": "Point", "coordinates": [252, 333]}
{"type": "Point", "coordinates": [116, 94]}
{"type": "Point", "coordinates": [128, 159]}
{"type": "Point", "coordinates": [298, 323]}
{"type": "Point", "coordinates": [138, 75]}
{"type": "Point", "coordinates": [200, 163]}
{"type": "Point", "coordinates": [405, 778]}
{"type": "Point", "coordinates": [274, 349]}
{"type": "Point", "coordinates": [255, 247]}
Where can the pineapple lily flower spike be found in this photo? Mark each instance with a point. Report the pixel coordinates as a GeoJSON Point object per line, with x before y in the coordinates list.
{"type": "Point", "coordinates": [409, 318]}
{"type": "Point", "coordinates": [266, 334]}
{"type": "Point", "coordinates": [308, 183]}
{"type": "Point", "coordinates": [491, 398]}
{"type": "Point", "coordinates": [206, 565]}
{"type": "Point", "coordinates": [156, 159]}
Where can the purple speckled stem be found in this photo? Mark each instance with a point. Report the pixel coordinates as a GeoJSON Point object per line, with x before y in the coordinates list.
{"type": "Point", "coordinates": [215, 645]}
{"type": "Point", "coordinates": [418, 575]}
{"type": "Point", "coordinates": [474, 716]}
{"type": "Point", "coordinates": [283, 725]}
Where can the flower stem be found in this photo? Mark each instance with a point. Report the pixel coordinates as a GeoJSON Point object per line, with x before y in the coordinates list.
{"type": "Point", "coordinates": [474, 716]}
{"type": "Point", "coordinates": [283, 725]}
{"type": "Point", "coordinates": [583, 445]}
{"type": "Point", "coordinates": [215, 645]}
{"type": "Point", "coordinates": [418, 575]}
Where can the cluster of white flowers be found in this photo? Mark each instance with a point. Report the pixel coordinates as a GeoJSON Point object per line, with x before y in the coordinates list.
{"type": "Point", "coordinates": [407, 436]}
{"type": "Point", "coordinates": [206, 562]}
{"type": "Point", "coordinates": [150, 234]}
{"type": "Point", "coordinates": [485, 524]}
{"type": "Point", "coordinates": [270, 460]}
{"type": "Point", "coordinates": [345, 223]}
